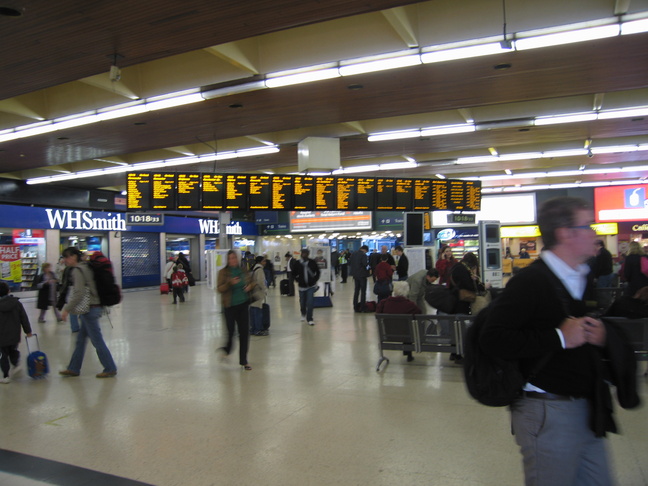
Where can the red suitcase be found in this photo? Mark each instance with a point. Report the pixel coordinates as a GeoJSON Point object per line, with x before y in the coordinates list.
{"type": "Point", "coordinates": [164, 288]}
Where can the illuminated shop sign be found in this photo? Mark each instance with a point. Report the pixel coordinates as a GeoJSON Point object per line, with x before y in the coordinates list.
{"type": "Point", "coordinates": [601, 229]}
{"type": "Point", "coordinates": [68, 219]}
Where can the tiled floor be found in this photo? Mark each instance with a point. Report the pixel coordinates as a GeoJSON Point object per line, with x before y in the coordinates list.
{"type": "Point", "coordinates": [313, 411]}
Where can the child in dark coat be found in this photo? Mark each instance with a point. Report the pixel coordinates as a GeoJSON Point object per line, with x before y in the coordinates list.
{"type": "Point", "coordinates": [12, 318]}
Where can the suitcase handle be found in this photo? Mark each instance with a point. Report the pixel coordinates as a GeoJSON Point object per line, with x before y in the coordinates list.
{"type": "Point", "coordinates": [34, 335]}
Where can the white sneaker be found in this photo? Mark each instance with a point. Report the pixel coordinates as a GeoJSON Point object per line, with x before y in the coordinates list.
{"type": "Point", "coordinates": [5, 380]}
{"type": "Point", "coordinates": [303, 318]}
{"type": "Point", "coordinates": [311, 323]}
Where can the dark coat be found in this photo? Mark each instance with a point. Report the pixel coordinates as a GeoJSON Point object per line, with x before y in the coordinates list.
{"type": "Point", "coordinates": [313, 273]}
{"type": "Point", "coordinates": [12, 318]}
{"type": "Point", "coordinates": [461, 278]}
{"type": "Point", "coordinates": [632, 273]}
{"type": "Point", "coordinates": [45, 292]}
{"type": "Point", "coordinates": [358, 263]}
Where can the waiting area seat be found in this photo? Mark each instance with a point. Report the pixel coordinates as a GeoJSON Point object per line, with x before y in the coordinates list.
{"type": "Point", "coordinates": [421, 333]}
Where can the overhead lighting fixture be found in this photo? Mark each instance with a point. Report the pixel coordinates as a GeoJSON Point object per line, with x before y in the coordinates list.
{"type": "Point", "coordinates": [299, 76]}
{"type": "Point", "coordinates": [396, 135]}
{"type": "Point", "coordinates": [440, 176]}
{"type": "Point", "coordinates": [127, 109]}
{"type": "Point", "coordinates": [571, 118]}
{"type": "Point", "coordinates": [349, 68]}
{"type": "Point", "coordinates": [508, 172]}
{"type": "Point", "coordinates": [569, 37]}
{"type": "Point", "coordinates": [230, 90]}
{"type": "Point", "coordinates": [156, 164]}
{"type": "Point", "coordinates": [634, 27]}
{"type": "Point", "coordinates": [421, 132]}
{"type": "Point", "coordinates": [462, 53]}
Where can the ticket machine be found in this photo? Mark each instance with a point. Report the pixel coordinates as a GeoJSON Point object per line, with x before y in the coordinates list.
{"type": "Point", "coordinates": [490, 253]}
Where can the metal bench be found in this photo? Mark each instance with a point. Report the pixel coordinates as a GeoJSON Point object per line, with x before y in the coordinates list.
{"type": "Point", "coordinates": [396, 332]}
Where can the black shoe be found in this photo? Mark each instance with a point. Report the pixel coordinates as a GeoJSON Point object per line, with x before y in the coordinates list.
{"type": "Point", "coordinates": [410, 358]}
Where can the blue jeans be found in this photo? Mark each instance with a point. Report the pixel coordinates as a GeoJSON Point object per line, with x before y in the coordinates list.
{"type": "Point", "coordinates": [256, 320]}
{"type": "Point", "coordinates": [74, 323]}
{"type": "Point", "coordinates": [306, 302]}
{"type": "Point", "coordinates": [90, 328]}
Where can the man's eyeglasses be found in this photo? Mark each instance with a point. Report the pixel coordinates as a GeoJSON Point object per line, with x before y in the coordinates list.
{"type": "Point", "coordinates": [584, 226]}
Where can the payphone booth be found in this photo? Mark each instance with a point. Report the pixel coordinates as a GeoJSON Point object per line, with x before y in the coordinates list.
{"type": "Point", "coordinates": [490, 253]}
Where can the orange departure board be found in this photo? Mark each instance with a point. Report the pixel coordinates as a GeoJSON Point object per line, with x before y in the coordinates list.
{"type": "Point", "coordinates": [259, 192]}
{"type": "Point", "coordinates": [403, 194]}
{"type": "Point", "coordinates": [366, 193]}
{"type": "Point", "coordinates": [236, 191]}
{"type": "Point", "coordinates": [385, 192]}
{"type": "Point", "coordinates": [282, 187]}
{"type": "Point", "coordinates": [188, 191]}
{"type": "Point", "coordinates": [278, 192]}
{"type": "Point", "coordinates": [422, 197]}
{"type": "Point", "coordinates": [346, 193]}
{"type": "Point", "coordinates": [138, 185]}
{"type": "Point", "coordinates": [213, 191]}
{"type": "Point", "coordinates": [325, 193]}
{"type": "Point", "coordinates": [164, 191]}
{"type": "Point", "coordinates": [304, 193]}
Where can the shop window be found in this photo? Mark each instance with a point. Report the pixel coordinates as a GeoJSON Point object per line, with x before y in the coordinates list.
{"type": "Point", "coordinates": [22, 252]}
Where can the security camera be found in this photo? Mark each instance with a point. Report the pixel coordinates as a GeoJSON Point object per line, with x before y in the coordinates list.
{"type": "Point", "coordinates": [115, 73]}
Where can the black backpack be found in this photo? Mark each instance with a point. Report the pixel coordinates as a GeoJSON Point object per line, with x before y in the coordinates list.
{"type": "Point", "coordinates": [490, 380]}
{"type": "Point", "coordinates": [108, 290]}
{"type": "Point", "coordinates": [441, 298]}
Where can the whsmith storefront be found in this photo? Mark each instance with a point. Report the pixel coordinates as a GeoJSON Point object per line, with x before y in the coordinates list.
{"type": "Point", "coordinates": [31, 236]}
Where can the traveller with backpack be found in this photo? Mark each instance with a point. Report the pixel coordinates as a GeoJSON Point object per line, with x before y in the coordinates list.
{"type": "Point", "coordinates": [85, 300]}
{"type": "Point", "coordinates": [563, 359]}
{"type": "Point", "coordinates": [12, 318]}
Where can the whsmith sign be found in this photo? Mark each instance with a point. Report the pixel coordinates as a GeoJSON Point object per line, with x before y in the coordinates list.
{"type": "Point", "coordinates": [83, 220]}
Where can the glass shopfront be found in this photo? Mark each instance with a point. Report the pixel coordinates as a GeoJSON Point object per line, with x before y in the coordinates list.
{"type": "Point", "coordinates": [22, 253]}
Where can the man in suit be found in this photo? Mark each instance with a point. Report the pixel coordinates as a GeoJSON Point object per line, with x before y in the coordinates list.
{"type": "Point", "coordinates": [542, 321]}
{"type": "Point", "coordinates": [359, 269]}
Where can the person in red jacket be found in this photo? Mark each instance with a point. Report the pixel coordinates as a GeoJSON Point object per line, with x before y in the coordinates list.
{"type": "Point", "coordinates": [398, 303]}
{"type": "Point", "coordinates": [383, 274]}
{"type": "Point", "coordinates": [444, 265]}
{"type": "Point", "coordinates": [179, 281]}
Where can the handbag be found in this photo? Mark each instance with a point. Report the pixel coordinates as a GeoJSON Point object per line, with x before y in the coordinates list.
{"type": "Point", "coordinates": [83, 306]}
{"type": "Point", "coordinates": [482, 299]}
{"type": "Point", "coordinates": [467, 295]}
{"type": "Point", "coordinates": [191, 280]}
{"type": "Point", "coordinates": [382, 287]}
{"type": "Point", "coordinates": [441, 298]}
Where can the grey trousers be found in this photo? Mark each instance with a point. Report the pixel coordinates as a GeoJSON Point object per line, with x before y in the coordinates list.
{"type": "Point", "coordinates": [558, 447]}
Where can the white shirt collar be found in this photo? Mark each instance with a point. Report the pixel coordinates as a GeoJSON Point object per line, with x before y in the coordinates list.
{"type": "Point", "coordinates": [574, 280]}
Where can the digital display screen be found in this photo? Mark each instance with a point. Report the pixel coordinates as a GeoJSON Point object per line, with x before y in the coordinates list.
{"type": "Point", "coordinates": [422, 197]}
{"type": "Point", "coordinates": [236, 191]}
{"type": "Point", "coordinates": [213, 191]}
{"type": "Point", "coordinates": [282, 186]}
{"type": "Point", "coordinates": [366, 194]}
{"type": "Point", "coordinates": [404, 194]}
{"type": "Point", "coordinates": [346, 190]}
{"type": "Point", "coordinates": [385, 192]}
{"type": "Point", "coordinates": [164, 191]}
{"type": "Point", "coordinates": [138, 185]}
{"type": "Point", "coordinates": [262, 192]}
{"type": "Point", "coordinates": [304, 193]}
{"type": "Point", "coordinates": [188, 191]}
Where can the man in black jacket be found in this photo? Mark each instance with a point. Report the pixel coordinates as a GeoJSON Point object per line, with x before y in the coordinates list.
{"type": "Point", "coordinates": [603, 268]}
{"type": "Point", "coordinates": [359, 270]}
{"type": "Point", "coordinates": [541, 320]}
{"type": "Point", "coordinates": [306, 273]}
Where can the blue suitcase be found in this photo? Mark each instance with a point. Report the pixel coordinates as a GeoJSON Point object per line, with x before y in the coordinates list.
{"type": "Point", "coordinates": [265, 319]}
{"type": "Point", "coordinates": [37, 365]}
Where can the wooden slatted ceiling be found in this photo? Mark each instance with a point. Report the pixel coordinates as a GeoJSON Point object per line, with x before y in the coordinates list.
{"type": "Point", "coordinates": [558, 71]}
{"type": "Point", "coordinates": [58, 42]}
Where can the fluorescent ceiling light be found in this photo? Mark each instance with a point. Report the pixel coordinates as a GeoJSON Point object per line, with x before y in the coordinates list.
{"type": "Point", "coordinates": [634, 27]}
{"type": "Point", "coordinates": [627, 113]}
{"type": "Point", "coordinates": [396, 135]}
{"type": "Point", "coordinates": [477, 160]}
{"type": "Point", "coordinates": [447, 130]}
{"type": "Point", "coordinates": [568, 37]}
{"type": "Point", "coordinates": [230, 90]}
{"type": "Point", "coordinates": [555, 119]}
{"type": "Point", "coordinates": [171, 102]}
{"type": "Point", "coordinates": [155, 164]}
{"type": "Point", "coordinates": [398, 165]}
{"type": "Point", "coordinates": [462, 53]}
{"type": "Point", "coordinates": [614, 149]}
{"type": "Point", "coordinates": [521, 156]}
{"type": "Point", "coordinates": [564, 153]}
{"type": "Point", "coordinates": [379, 65]}
{"type": "Point", "coordinates": [299, 78]}
{"type": "Point", "coordinates": [357, 169]}
{"type": "Point", "coordinates": [440, 176]}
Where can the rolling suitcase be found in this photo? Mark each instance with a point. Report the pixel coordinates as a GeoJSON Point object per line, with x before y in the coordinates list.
{"type": "Point", "coordinates": [37, 365]}
{"type": "Point", "coordinates": [284, 287]}
{"type": "Point", "coordinates": [164, 288]}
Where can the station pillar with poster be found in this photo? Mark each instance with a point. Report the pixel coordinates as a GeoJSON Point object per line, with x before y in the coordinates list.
{"type": "Point", "coordinates": [490, 253]}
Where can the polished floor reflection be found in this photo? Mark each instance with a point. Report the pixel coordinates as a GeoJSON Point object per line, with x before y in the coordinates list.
{"type": "Point", "coordinates": [313, 411]}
